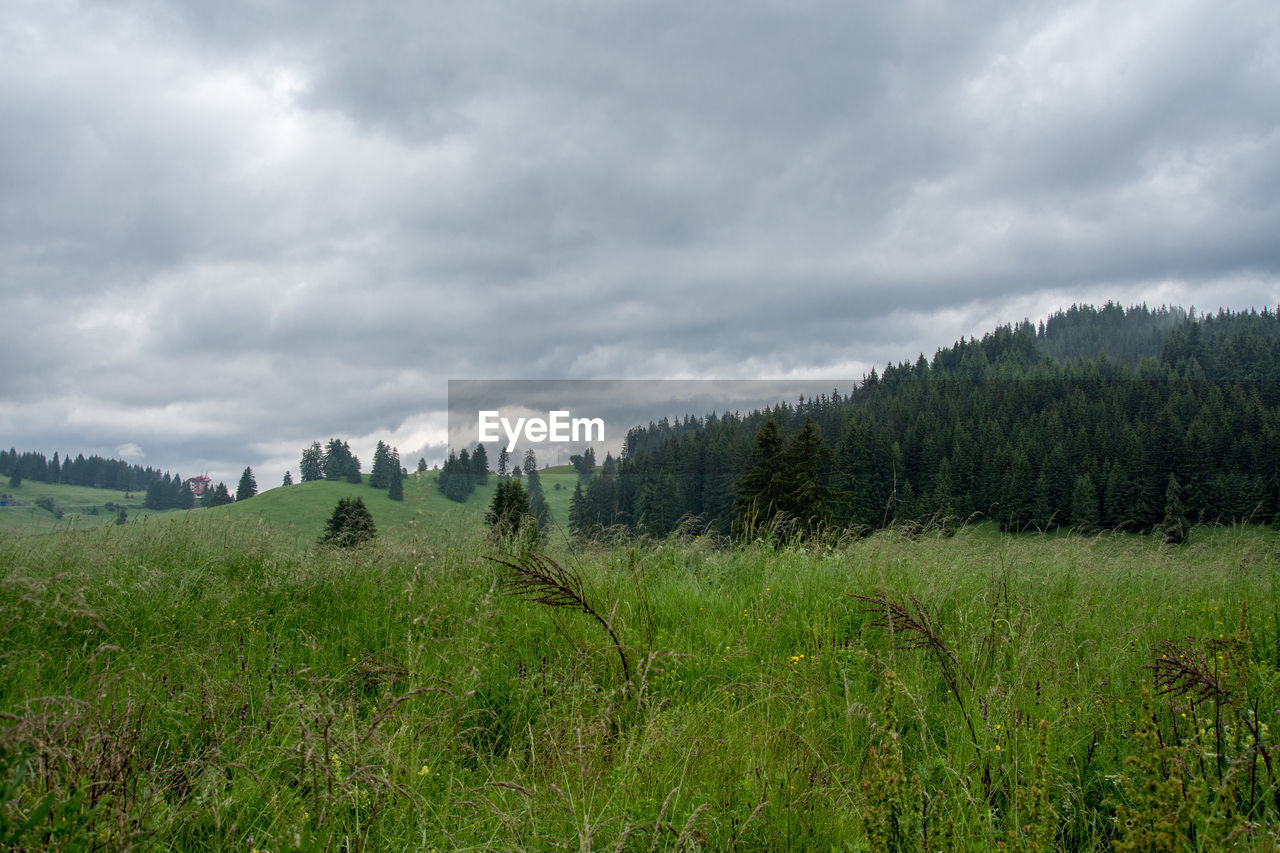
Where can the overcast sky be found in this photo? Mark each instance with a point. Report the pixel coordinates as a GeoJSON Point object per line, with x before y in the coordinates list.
{"type": "Point", "coordinates": [228, 229]}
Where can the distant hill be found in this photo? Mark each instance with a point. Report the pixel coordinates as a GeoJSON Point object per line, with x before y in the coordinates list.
{"type": "Point", "coordinates": [302, 508]}
{"type": "Point", "coordinates": [36, 507]}
{"type": "Point", "coordinates": [305, 507]}
{"type": "Point", "coordinates": [1097, 418]}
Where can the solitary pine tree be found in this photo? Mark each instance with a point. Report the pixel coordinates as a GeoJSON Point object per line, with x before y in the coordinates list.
{"type": "Point", "coordinates": [504, 461]}
{"type": "Point", "coordinates": [350, 524]}
{"type": "Point", "coordinates": [288, 478]}
{"type": "Point", "coordinates": [422, 465]}
{"type": "Point", "coordinates": [248, 485]}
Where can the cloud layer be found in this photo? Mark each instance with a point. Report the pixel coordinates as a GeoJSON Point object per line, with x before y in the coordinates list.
{"type": "Point", "coordinates": [229, 229]}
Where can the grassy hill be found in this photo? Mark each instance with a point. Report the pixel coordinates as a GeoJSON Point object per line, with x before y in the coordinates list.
{"type": "Point", "coordinates": [74, 507]}
{"type": "Point", "coordinates": [300, 510]}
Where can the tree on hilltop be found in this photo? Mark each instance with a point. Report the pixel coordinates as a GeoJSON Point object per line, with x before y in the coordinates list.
{"type": "Point", "coordinates": [248, 485]}
{"type": "Point", "coordinates": [312, 467]}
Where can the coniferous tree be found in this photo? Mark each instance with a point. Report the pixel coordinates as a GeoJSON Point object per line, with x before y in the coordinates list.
{"type": "Point", "coordinates": [248, 485]}
{"type": "Point", "coordinates": [312, 467]}
{"type": "Point", "coordinates": [760, 491]}
{"type": "Point", "coordinates": [509, 510]}
{"type": "Point", "coordinates": [578, 522]}
{"type": "Point", "coordinates": [288, 478]}
{"type": "Point", "coordinates": [395, 490]}
{"type": "Point", "coordinates": [350, 524]}
{"type": "Point", "coordinates": [1084, 505]}
{"type": "Point", "coordinates": [219, 495]}
{"type": "Point", "coordinates": [540, 511]}
{"type": "Point", "coordinates": [806, 495]}
{"type": "Point", "coordinates": [1174, 526]}
{"type": "Point", "coordinates": [504, 461]}
{"type": "Point", "coordinates": [15, 476]}
{"type": "Point", "coordinates": [480, 465]}
{"type": "Point", "coordinates": [422, 465]}
{"type": "Point", "coordinates": [1017, 494]}
{"type": "Point", "coordinates": [380, 473]}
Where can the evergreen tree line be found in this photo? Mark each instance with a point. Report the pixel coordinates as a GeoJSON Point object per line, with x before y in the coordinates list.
{"type": "Point", "coordinates": [991, 428]}
{"type": "Point", "coordinates": [162, 490]}
{"type": "Point", "coordinates": [94, 471]}
{"type": "Point", "coordinates": [335, 461]}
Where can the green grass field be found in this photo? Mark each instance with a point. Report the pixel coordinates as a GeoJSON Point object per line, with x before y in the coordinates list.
{"type": "Point", "coordinates": [81, 507]}
{"type": "Point", "coordinates": [214, 683]}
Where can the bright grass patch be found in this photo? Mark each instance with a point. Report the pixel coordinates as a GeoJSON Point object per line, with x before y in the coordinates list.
{"type": "Point", "coordinates": [212, 685]}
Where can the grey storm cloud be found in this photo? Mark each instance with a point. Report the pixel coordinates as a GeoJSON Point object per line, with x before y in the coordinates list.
{"type": "Point", "coordinates": [229, 229]}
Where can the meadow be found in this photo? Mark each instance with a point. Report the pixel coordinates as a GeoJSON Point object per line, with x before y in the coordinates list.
{"type": "Point", "coordinates": [215, 682]}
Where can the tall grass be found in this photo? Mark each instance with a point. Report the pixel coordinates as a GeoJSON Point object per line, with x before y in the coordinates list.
{"type": "Point", "coordinates": [209, 686]}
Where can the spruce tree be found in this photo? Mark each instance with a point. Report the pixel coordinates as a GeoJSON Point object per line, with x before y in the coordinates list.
{"type": "Point", "coordinates": [508, 510]}
{"type": "Point", "coordinates": [218, 496]}
{"type": "Point", "coordinates": [578, 511]}
{"type": "Point", "coordinates": [288, 478]}
{"type": "Point", "coordinates": [760, 489]}
{"type": "Point", "coordinates": [380, 473]}
{"type": "Point", "coordinates": [395, 490]}
{"type": "Point", "coordinates": [1174, 526]}
{"type": "Point", "coordinates": [248, 485]}
{"type": "Point", "coordinates": [312, 467]}
{"type": "Point", "coordinates": [350, 524]}
{"type": "Point", "coordinates": [480, 465]}
{"type": "Point", "coordinates": [1084, 505]}
{"type": "Point", "coordinates": [806, 496]}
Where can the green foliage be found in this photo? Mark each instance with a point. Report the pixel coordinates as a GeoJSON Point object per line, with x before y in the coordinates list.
{"type": "Point", "coordinates": [248, 486]}
{"type": "Point", "coordinates": [893, 796]}
{"type": "Point", "coordinates": [457, 480]}
{"type": "Point", "coordinates": [1121, 397]}
{"type": "Point", "coordinates": [380, 473]}
{"type": "Point", "coordinates": [312, 465]}
{"type": "Point", "coordinates": [1174, 526]}
{"type": "Point", "coordinates": [510, 516]}
{"type": "Point", "coordinates": [219, 495]}
{"type": "Point", "coordinates": [480, 465]}
{"type": "Point", "coordinates": [350, 524]}
{"type": "Point", "coordinates": [395, 490]}
{"type": "Point", "coordinates": [339, 463]}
